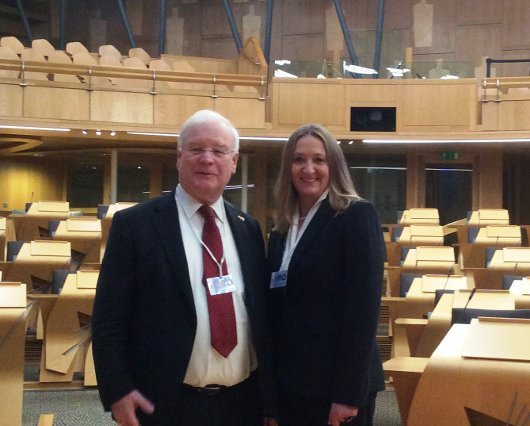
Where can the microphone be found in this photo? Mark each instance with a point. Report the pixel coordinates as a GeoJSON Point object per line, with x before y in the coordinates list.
{"type": "Point", "coordinates": [462, 313]}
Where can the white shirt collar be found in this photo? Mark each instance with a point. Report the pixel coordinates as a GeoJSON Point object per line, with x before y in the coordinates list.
{"type": "Point", "coordinates": [190, 205]}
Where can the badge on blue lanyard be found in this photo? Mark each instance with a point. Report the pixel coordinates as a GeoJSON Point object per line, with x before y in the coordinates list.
{"type": "Point", "coordinates": [278, 279]}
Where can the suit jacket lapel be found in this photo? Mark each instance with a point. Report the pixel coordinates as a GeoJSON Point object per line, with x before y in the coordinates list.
{"type": "Point", "coordinates": [241, 238]}
{"type": "Point", "coordinates": [166, 221]}
{"type": "Point", "coordinates": [319, 219]}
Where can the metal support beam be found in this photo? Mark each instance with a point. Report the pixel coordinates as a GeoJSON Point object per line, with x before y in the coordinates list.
{"type": "Point", "coordinates": [126, 22]}
{"type": "Point", "coordinates": [268, 31]}
{"type": "Point", "coordinates": [25, 20]}
{"type": "Point", "coordinates": [244, 182]}
{"type": "Point", "coordinates": [162, 33]}
{"type": "Point", "coordinates": [379, 37]}
{"type": "Point", "coordinates": [113, 176]}
{"type": "Point", "coordinates": [345, 32]}
{"type": "Point", "coordinates": [62, 18]}
{"type": "Point", "coordinates": [233, 26]}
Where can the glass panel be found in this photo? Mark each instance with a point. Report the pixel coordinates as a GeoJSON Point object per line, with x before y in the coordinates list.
{"type": "Point", "coordinates": [392, 61]}
{"type": "Point", "coordinates": [382, 180]}
{"type": "Point", "coordinates": [133, 182]}
{"type": "Point", "coordinates": [449, 189]}
{"type": "Point", "coordinates": [84, 187]}
{"type": "Point", "coordinates": [233, 191]}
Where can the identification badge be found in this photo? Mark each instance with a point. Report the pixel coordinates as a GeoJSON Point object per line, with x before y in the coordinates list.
{"type": "Point", "coordinates": [278, 279]}
{"type": "Point", "coordinates": [221, 285]}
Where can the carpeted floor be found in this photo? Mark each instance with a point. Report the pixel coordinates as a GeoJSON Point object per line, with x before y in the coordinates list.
{"type": "Point", "coordinates": [82, 408]}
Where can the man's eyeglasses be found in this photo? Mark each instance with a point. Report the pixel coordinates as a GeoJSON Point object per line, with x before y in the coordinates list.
{"type": "Point", "coordinates": [216, 152]}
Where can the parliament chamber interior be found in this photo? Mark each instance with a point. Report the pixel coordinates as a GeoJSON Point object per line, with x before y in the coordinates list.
{"type": "Point", "coordinates": [428, 99]}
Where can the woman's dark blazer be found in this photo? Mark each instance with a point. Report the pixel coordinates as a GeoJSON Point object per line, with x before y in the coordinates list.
{"type": "Point", "coordinates": [325, 319]}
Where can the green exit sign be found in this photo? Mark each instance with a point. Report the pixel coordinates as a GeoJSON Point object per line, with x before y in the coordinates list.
{"type": "Point", "coordinates": [449, 155]}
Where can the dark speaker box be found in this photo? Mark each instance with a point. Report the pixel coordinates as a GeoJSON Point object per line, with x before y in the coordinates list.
{"type": "Point", "coordinates": [372, 119]}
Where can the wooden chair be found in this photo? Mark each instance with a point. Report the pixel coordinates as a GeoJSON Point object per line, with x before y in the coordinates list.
{"type": "Point", "coordinates": [43, 46]}
{"type": "Point", "coordinates": [12, 42]}
{"type": "Point", "coordinates": [138, 52]}
{"type": "Point", "coordinates": [61, 57]}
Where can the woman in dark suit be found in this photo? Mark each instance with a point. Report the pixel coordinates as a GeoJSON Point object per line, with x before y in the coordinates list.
{"type": "Point", "coordinates": [326, 258]}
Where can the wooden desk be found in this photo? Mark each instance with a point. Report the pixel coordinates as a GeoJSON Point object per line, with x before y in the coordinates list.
{"type": "Point", "coordinates": [457, 391]}
{"type": "Point", "coordinates": [67, 344]}
{"type": "Point", "coordinates": [405, 373]}
{"type": "Point", "coordinates": [13, 317]}
{"type": "Point", "coordinates": [84, 235]}
{"type": "Point", "coordinates": [7, 233]}
{"type": "Point", "coordinates": [34, 223]}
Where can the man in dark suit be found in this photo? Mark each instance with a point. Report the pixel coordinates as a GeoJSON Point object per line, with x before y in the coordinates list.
{"type": "Point", "coordinates": [153, 325]}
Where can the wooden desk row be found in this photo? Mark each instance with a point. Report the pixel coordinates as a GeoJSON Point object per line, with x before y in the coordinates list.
{"type": "Point", "coordinates": [479, 375]}
{"type": "Point", "coordinates": [66, 349]}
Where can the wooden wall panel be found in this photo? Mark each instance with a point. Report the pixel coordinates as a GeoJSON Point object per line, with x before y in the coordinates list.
{"type": "Point", "coordinates": [473, 42]}
{"type": "Point", "coordinates": [514, 115]}
{"type": "Point", "coordinates": [303, 17]}
{"type": "Point", "coordinates": [443, 29]}
{"type": "Point", "coordinates": [306, 47]}
{"type": "Point", "coordinates": [121, 107]}
{"type": "Point", "coordinates": [490, 180]}
{"type": "Point", "coordinates": [436, 106]}
{"type": "Point", "coordinates": [473, 12]}
{"type": "Point", "coordinates": [56, 103]}
{"type": "Point", "coordinates": [10, 100]}
{"type": "Point", "coordinates": [298, 103]}
{"type": "Point", "coordinates": [516, 28]}
{"type": "Point", "coordinates": [219, 47]}
{"type": "Point", "coordinates": [25, 180]}
{"type": "Point", "coordinates": [173, 110]}
{"type": "Point", "coordinates": [377, 94]}
{"type": "Point", "coordinates": [243, 113]}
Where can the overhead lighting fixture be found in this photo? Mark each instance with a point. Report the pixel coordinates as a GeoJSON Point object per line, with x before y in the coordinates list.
{"type": "Point", "coordinates": [285, 74]}
{"type": "Point", "coordinates": [356, 69]}
{"type": "Point", "coordinates": [282, 62]}
{"type": "Point", "coordinates": [263, 138]}
{"type": "Point", "coordinates": [170, 135]}
{"type": "Point", "coordinates": [112, 133]}
{"type": "Point", "coordinates": [98, 132]}
{"type": "Point", "coordinates": [444, 141]}
{"type": "Point", "coordinates": [350, 143]}
{"type": "Point", "coordinates": [398, 72]}
{"type": "Point", "coordinates": [84, 132]}
{"type": "Point", "coordinates": [48, 129]}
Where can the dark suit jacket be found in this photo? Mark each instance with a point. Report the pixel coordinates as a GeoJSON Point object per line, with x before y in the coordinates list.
{"type": "Point", "coordinates": [144, 319]}
{"type": "Point", "coordinates": [325, 319]}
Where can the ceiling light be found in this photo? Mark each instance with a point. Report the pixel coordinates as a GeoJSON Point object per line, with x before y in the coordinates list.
{"type": "Point", "coordinates": [356, 69]}
{"type": "Point", "coordinates": [171, 135]}
{"type": "Point", "coordinates": [98, 132]}
{"type": "Point", "coordinates": [282, 62]}
{"type": "Point", "coordinates": [350, 143]}
{"type": "Point", "coordinates": [263, 138]}
{"type": "Point", "coordinates": [113, 133]}
{"type": "Point", "coordinates": [444, 141]}
{"type": "Point", "coordinates": [285, 74]}
{"type": "Point", "coordinates": [49, 129]}
{"type": "Point", "coordinates": [84, 132]}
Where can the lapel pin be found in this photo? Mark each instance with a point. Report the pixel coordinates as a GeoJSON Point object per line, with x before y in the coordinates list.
{"type": "Point", "coordinates": [241, 218]}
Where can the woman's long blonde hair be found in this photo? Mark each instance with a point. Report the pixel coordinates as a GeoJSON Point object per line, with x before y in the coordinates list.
{"type": "Point", "coordinates": [341, 190]}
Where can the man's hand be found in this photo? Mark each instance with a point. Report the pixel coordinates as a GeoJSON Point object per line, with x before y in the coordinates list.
{"type": "Point", "coordinates": [270, 421]}
{"type": "Point", "coordinates": [123, 410]}
{"type": "Point", "coordinates": [341, 413]}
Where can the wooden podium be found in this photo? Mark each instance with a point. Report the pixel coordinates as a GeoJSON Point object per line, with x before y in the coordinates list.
{"type": "Point", "coordinates": [34, 223]}
{"type": "Point", "coordinates": [66, 346]}
{"type": "Point", "coordinates": [479, 375]}
{"type": "Point", "coordinates": [13, 317]}
{"type": "Point", "coordinates": [84, 235]}
{"type": "Point", "coordinates": [7, 233]}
